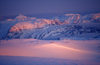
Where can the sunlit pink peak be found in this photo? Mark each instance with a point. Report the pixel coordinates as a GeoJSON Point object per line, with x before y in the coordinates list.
{"type": "Point", "coordinates": [96, 16]}
{"type": "Point", "coordinates": [10, 19]}
{"type": "Point", "coordinates": [21, 17]}
{"type": "Point", "coordinates": [48, 21]}
{"type": "Point", "coordinates": [21, 26]}
{"type": "Point", "coordinates": [32, 18]}
{"type": "Point", "coordinates": [72, 14]}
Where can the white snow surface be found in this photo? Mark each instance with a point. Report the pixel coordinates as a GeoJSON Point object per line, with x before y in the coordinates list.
{"type": "Point", "coordinates": [49, 52]}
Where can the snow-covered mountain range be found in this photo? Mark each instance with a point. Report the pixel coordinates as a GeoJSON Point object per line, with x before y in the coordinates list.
{"type": "Point", "coordinates": [67, 26]}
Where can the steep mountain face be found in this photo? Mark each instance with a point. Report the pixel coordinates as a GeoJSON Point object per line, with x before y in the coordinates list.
{"type": "Point", "coordinates": [69, 18]}
{"type": "Point", "coordinates": [56, 32]}
{"type": "Point", "coordinates": [92, 18]}
{"type": "Point", "coordinates": [68, 26]}
{"type": "Point", "coordinates": [73, 18]}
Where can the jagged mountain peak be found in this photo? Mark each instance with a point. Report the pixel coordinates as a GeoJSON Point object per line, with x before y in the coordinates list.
{"type": "Point", "coordinates": [21, 17]}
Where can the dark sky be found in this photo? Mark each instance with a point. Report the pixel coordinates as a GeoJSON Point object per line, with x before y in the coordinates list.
{"type": "Point", "coordinates": [14, 7]}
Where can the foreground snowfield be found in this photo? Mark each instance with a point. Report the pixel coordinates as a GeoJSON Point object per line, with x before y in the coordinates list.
{"type": "Point", "coordinates": [48, 52]}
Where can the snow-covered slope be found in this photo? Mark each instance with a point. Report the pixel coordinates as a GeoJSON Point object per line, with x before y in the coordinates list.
{"type": "Point", "coordinates": [49, 52]}
{"type": "Point", "coordinates": [20, 60]}
{"type": "Point", "coordinates": [68, 26]}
